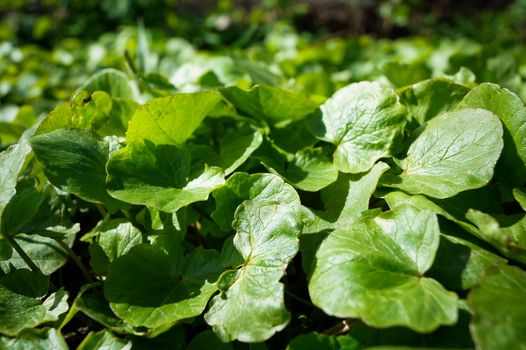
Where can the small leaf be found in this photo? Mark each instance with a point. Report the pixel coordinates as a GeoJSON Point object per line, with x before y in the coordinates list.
{"type": "Point", "coordinates": [19, 211]}
{"type": "Point", "coordinates": [363, 120]}
{"type": "Point", "coordinates": [112, 81]}
{"type": "Point", "coordinates": [207, 340]}
{"type": "Point", "coordinates": [12, 162]}
{"type": "Point", "coordinates": [456, 152]}
{"type": "Point", "coordinates": [318, 341]}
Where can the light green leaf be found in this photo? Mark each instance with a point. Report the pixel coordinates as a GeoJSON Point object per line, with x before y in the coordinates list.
{"type": "Point", "coordinates": [363, 120]}
{"type": "Point", "coordinates": [430, 98]}
{"type": "Point", "coordinates": [270, 104]}
{"type": "Point", "coordinates": [35, 339]}
{"type": "Point", "coordinates": [499, 318]}
{"type": "Point", "coordinates": [512, 112]}
{"type": "Point", "coordinates": [509, 238]}
{"type": "Point", "coordinates": [256, 187]}
{"type": "Point", "coordinates": [374, 270]}
{"type": "Point", "coordinates": [56, 304]}
{"type": "Point", "coordinates": [75, 161]}
{"type": "Point", "coordinates": [104, 340]}
{"type": "Point", "coordinates": [250, 307]}
{"type": "Point", "coordinates": [456, 152]}
{"type": "Point", "coordinates": [160, 176]}
{"type": "Point", "coordinates": [112, 81]}
{"type": "Point", "coordinates": [12, 162]}
{"type": "Point", "coordinates": [171, 120]}
{"type": "Point", "coordinates": [116, 237]}
{"type": "Point", "coordinates": [163, 289]}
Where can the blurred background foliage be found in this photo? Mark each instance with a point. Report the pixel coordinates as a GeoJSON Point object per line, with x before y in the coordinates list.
{"type": "Point", "coordinates": [51, 48]}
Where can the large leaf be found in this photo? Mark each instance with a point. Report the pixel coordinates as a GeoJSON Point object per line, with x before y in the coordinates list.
{"type": "Point", "coordinates": [147, 287]}
{"type": "Point", "coordinates": [251, 307]}
{"type": "Point", "coordinates": [270, 104]}
{"type": "Point", "coordinates": [75, 161]}
{"type": "Point", "coordinates": [374, 270]}
{"type": "Point", "coordinates": [363, 120]}
{"type": "Point", "coordinates": [309, 169]}
{"type": "Point", "coordinates": [257, 187]}
{"type": "Point", "coordinates": [512, 112]}
{"type": "Point", "coordinates": [456, 152]}
{"type": "Point", "coordinates": [159, 176]}
{"type": "Point", "coordinates": [104, 340]}
{"type": "Point", "coordinates": [499, 313]}
{"type": "Point", "coordinates": [171, 120]}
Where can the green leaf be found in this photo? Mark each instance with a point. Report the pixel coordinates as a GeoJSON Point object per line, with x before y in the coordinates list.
{"type": "Point", "coordinates": [499, 316]}
{"type": "Point", "coordinates": [19, 211]}
{"type": "Point", "coordinates": [75, 161]}
{"type": "Point", "coordinates": [104, 340]}
{"type": "Point", "coordinates": [363, 120]}
{"type": "Point", "coordinates": [207, 340]}
{"type": "Point", "coordinates": [160, 176]}
{"type": "Point", "coordinates": [47, 254]}
{"type": "Point", "coordinates": [401, 74]}
{"type": "Point", "coordinates": [235, 150]}
{"type": "Point", "coordinates": [92, 303]}
{"type": "Point", "coordinates": [112, 81]}
{"type": "Point", "coordinates": [309, 169]}
{"type": "Point", "coordinates": [115, 238]}
{"type": "Point", "coordinates": [163, 289]}
{"type": "Point", "coordinates": [460, 264]}
{"type": "Point", "coordinates": [512, 112]}
{"type": "Point", "coordinates": [12, 162]}
{"type": "Point", "coordinates": [171, 120]}
{"type": "Point", "coordinates": [456, 152]}
{"type": "Point", "coordinates": [349, 196]}
{"type": "Point", "coordinates": [520, 196]}
{"type": "Point", "coordinates": [256, 187]}
{"type": "Point", "coordinates": [430, 98]}
{"type": "Point", "coordinates": [35, 339]}
{"type": "Point", "coordinates": [26, 282]}
{"type": "Point", "coordinates": [270, 104]}
{"type": "Point", "coordinates": [19, 312]}
{"type": "Point", "coordinates": [509, 237]}
{"type": "Point", "coordinates": [250, 307]}
{"type": "Point", "coordinates": [318, 341]}
{"type": "Point", "coordinates": [374, 270]}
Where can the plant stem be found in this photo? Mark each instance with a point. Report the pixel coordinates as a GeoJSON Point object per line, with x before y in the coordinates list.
{"type": "Point", "coordinates": [342, 327]}
{"type": "Point", "coordinates": [76, 259]}
{"type": "Point", "coordinates": [298, 299]}
{"type": "Point", "coordinates": [21, 252]}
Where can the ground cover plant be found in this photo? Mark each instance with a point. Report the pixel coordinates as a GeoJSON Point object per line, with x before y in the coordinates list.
{"type": "Point", "coordinates": [331, 194]}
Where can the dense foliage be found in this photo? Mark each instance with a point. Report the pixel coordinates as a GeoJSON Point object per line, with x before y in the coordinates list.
{"type": "Point", "coordinates": [297, 193]}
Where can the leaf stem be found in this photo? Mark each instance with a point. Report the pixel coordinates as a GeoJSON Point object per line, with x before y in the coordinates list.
{"type": "Point", "coordinates": [22, 253]}
{"type": "Point", "coordinates": [342, 327]}
{"type": "Point", "coordinates": [299, 299]}
{"type": "Point", "coordinates": [76, 260]}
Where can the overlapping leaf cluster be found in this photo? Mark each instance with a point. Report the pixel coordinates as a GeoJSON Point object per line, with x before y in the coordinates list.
{"type": "Point", "coordinates": [240, 212]}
